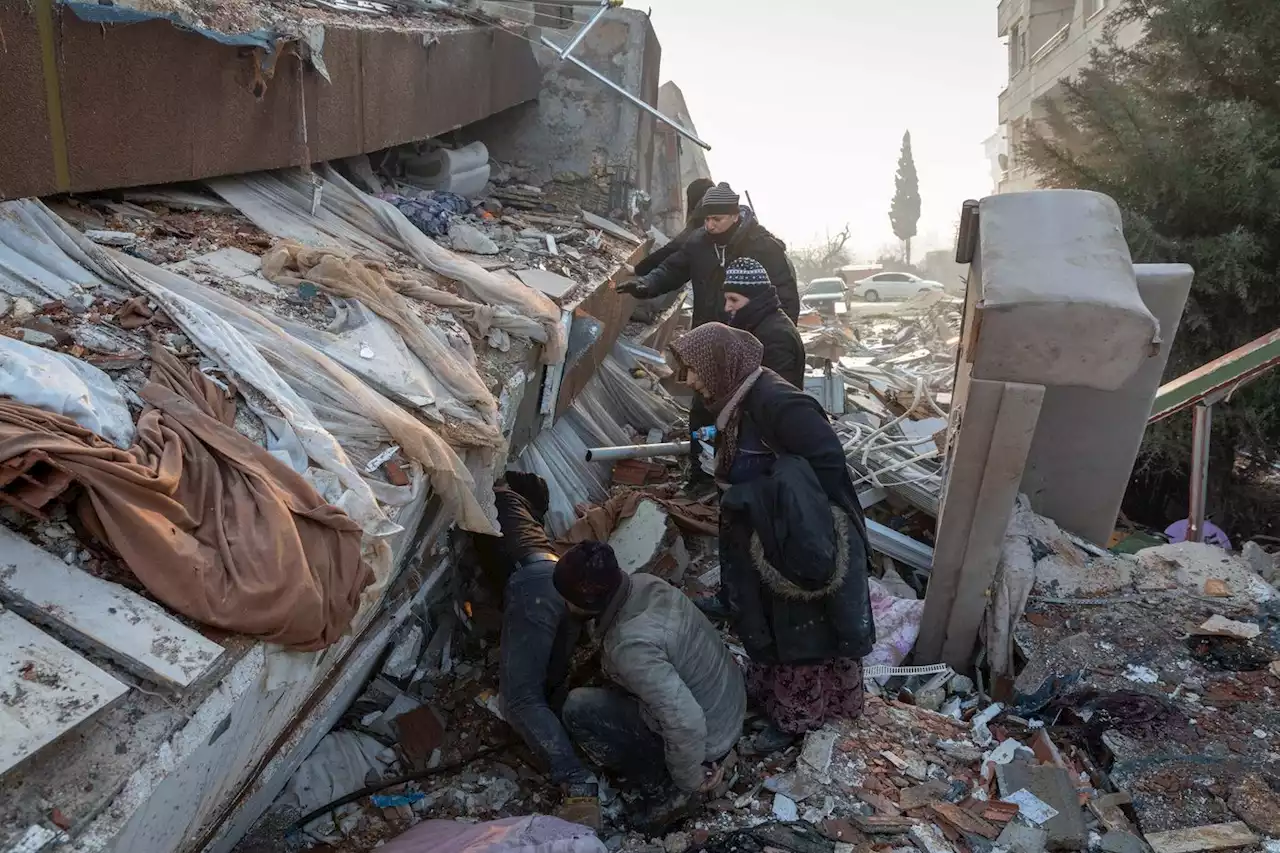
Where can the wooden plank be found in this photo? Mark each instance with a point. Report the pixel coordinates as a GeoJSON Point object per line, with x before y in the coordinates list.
{"type": "Point", "coordinates": [102, 616]}
{"type": "Point", "coordinates": [46, 690]}
{"type": "Point", "coordinates": [1219, 836]}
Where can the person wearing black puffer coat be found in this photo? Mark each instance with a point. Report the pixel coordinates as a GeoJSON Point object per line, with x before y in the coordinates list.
{"type": "Point", "coordinates": [794, 554]}
{"type": "Point", "coordinates": [751, 301]}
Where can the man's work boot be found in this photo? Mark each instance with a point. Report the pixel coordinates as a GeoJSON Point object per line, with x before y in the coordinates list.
{"type": "Point", "coordinates": [658, 810]}
{"type": "Point", "coordinates": [769, 741]}
{"type": "Point", "coordinates": [712, 607]}
{"type": "Point", "coordinates": [581, 805]}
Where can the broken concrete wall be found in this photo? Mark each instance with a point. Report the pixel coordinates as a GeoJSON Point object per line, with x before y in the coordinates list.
{"type": "Point", "coordinates": [148, 103]}
{"type": "Point", "coordinates": [579, 128]}
{"type": "Point", "coordinates": [677, 161]}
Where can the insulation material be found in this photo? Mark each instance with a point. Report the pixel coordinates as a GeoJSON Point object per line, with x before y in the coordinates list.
{"type": "Point", "coordinates": [40, 260]}
{"type": "Point", "coordinates": [340, 275]}
{"type": "Point", "coordinates": [66, 386]}
{"type": "Point", "coordinates": [280, 203]}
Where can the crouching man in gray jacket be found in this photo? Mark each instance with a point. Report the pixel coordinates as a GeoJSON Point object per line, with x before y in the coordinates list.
{"type": "Point", "coordinates": [679, 704]}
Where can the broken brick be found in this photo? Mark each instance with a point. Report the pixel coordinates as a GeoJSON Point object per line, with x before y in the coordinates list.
{"type": "Point", "coordinates": [963, 821]}
{"type": "Point", "coordinates": [923, 795]}
{"type": "Point", "coordinates": [395, 474]}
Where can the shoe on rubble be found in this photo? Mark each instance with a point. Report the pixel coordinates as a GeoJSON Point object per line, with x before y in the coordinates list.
{"type": "Point", "coordinates": [712, 607]}
{"type": "Point", "coordinates": [772, 739]}
{"type": "Point", "coordinates": [656, 811]}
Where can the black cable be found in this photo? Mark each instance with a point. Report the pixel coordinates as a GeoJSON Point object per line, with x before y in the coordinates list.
{"type": "Point", "coordinates": [383, 784]}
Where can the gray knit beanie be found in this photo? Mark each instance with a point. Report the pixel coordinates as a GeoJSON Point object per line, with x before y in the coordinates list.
{"type": "Point", "coordinates": [720, 200]}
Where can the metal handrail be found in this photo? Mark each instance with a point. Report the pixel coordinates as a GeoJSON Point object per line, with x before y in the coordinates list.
{"type": "Point", "coordinates": [1201, 389]}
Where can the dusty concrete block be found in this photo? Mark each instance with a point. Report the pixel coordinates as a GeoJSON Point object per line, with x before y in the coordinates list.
{"type": "Point", "coordinates": [817, 749]}
{"type": "Point", "coordinates": [929, 839]}
{"type": "Point", "coordinates": [1020, 838]}
{"type": "Point", "coordinates": [1119, 841]}
{"type": "Point", "coordinates": [641, 540]}
{"type": "Point", "coordinates": [1053, 785]}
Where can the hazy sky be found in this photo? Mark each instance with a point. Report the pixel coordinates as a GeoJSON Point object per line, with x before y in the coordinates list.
{"type": "Point", "coordinates": [804, 103]}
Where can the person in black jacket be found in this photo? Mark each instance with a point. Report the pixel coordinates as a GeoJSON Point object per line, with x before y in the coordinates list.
{"type": "Point", "coordinates": [751, 301]}
{"type": "Point", "coordinates": [797, 585]}
{"type": "Point", "coordinates": [692, 197]}
{"type": "Point", "coordinates": [729, 231]}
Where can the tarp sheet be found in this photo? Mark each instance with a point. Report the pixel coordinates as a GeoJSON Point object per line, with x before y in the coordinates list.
{"type": "Point", "coordinates": [41, 260]}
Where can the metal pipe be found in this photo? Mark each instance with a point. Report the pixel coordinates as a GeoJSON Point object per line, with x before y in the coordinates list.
{"type": "Point", "coordinates": [687, 134]}
{"type": "Point", "coordinates": [636, 451]}
{"type": "Point", "coordinates": [902, 548]}
{"type": "Point", "coordinates": [1199, 472]}
{"type": "Point", "coordinates": [582, 33]}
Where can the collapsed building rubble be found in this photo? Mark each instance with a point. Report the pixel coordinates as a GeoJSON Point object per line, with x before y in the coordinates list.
{"type": "Point", "coordinates": [385, 330]}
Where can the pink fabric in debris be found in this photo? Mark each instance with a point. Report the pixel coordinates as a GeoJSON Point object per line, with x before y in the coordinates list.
{"type": "Point", "coordinates": [534, 834]}
{"type": "Point", "coordinates": [897, 626]}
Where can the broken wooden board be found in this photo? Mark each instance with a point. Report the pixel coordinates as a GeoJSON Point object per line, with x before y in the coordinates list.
{"type": "Point", "coordinates": [1218, 836]}
{"type": "Point", "coordinates": [46, 690]}
{"type": "Point", "coordinates": [102, 616]}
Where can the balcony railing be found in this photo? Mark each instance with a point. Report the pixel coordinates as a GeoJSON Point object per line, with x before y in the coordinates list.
{"type": "Point", "coordinates": [1053, 42]}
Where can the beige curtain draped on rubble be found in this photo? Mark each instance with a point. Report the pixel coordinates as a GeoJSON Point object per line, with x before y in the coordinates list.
{"type": "Point", "coordinates": [213, 525]}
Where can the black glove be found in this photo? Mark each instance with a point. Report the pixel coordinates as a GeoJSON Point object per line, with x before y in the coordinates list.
{"type": "Point", "coordinates": [634, 286]}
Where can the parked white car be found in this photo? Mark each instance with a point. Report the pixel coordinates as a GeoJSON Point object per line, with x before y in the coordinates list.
{"type": "Point", "coordinates": [892, 286]}
{"type": "Point", "coordinates": [823, 294]}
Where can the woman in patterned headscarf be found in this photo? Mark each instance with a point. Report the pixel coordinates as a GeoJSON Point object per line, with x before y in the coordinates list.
{"type": "Point", "coordinates": [796, 584]}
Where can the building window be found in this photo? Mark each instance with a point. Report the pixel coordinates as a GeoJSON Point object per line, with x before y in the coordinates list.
{"type": "Point", "coordinates": [556, 16]}
{"type": "Point", "coordinates": [1017, 42]}
{"type": "Point", "coordinates": [1093, 7]}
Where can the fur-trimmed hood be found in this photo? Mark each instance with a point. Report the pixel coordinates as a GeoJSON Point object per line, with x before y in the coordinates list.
{"type": "Point", "coordinates": [777, 581]}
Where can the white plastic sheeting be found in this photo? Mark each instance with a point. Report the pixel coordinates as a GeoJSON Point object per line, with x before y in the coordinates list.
{"type": "Point", "coordinates": [40, 260]}
{"type": "Point", "coordinates": [459, 390]}
{"type": "Point", "coordinates": [66, 386]}
{"type": "Point", "coordinates": [286, 369]}
{"type": "Point", "coordinates": [293, 375]}
{"type": "Point", "coordinates": [280, 203]}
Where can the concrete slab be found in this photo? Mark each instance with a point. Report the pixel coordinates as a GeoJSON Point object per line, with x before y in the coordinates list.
{"type": "Point", "coordinates": [639, 541]}
{"type": "Point", "coordinates": [551, 283]}
{"type": "Point", "coordinates": [1053, 785]}
{"type": "Point", "coordinates": [985, 466]}
{"type": "Point", "coordinates": [46, 690]}
{"type": "Point", "coordinates": [127, 628]}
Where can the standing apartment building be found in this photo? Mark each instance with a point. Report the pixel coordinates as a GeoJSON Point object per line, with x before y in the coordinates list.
{"type": "Point", "coordinates": [1048, 40]}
